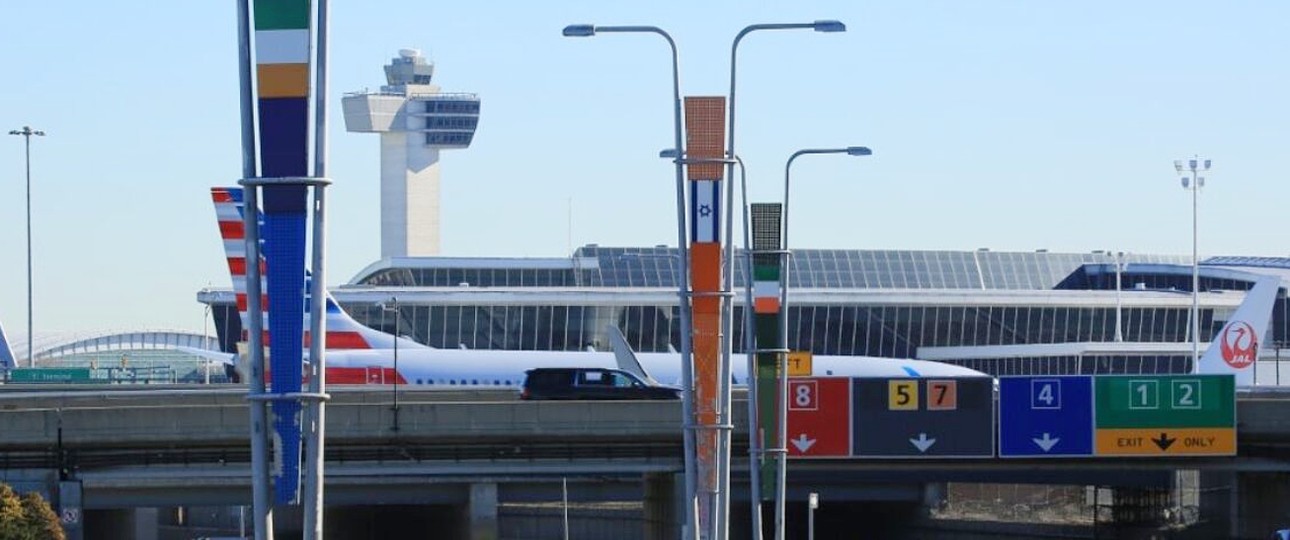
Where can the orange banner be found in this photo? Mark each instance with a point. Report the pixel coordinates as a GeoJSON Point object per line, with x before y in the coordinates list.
{"type": "Point", "coordinates": [705, 129]}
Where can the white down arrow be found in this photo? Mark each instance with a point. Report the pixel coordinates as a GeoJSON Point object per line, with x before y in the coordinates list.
{"type": "Point", "coordinates": [802, 443]}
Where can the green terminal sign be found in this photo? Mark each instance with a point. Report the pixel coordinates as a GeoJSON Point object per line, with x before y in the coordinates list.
{"type": "Point", "coordinates": [1165, 415]}
{"type": "Point", "coordinates": [49, 375]}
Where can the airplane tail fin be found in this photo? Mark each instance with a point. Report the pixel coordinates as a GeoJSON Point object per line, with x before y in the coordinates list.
{"type": "Point", "coordinates": [6, 353]}
{"type": "Point", "coordinates": [1236, 347]}
{"type": "Point", "coordinates": [343, 332]}
{"type": "Point", "coordinates": [625, 357]}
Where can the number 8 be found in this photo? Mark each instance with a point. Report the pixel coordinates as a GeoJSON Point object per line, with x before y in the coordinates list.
{"type": "Point", "coordinates": [803, 397]}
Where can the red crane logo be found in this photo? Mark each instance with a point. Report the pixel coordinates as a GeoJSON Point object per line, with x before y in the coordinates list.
{"type": "Point", "coordinates": [1239, 344]}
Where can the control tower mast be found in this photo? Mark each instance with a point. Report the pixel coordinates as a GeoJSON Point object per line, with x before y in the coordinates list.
{"type": "Point", "coordinates": [415, 121]}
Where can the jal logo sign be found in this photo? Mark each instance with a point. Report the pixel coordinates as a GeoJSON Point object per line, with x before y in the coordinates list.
{"type": "Point", "coordinates": [1240, 344]}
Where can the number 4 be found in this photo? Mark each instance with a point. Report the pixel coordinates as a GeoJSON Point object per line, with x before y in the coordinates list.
{"type": "Point", "coordinates": [1046, 394]}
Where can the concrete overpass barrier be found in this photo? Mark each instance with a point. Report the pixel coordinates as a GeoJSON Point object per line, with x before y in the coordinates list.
{"type": "Point", "coordinates": [227, 424]}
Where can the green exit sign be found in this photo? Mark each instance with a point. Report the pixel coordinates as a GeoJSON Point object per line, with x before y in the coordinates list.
{"type": "Point", "coordinates": [1165, 401]}
{"type": "Point", "coordinates": [48, 375]}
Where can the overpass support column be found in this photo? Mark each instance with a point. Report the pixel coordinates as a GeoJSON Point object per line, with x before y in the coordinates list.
{"type": "Point", "coordinates": [661, 505]}
{"type": "Point", "coordinates": [483, 511]}
{"type": "Point", "coordinates": [1260, 504]}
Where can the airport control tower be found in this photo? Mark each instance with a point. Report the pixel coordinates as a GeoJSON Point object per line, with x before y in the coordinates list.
{"type": "Point", "coordinates": [415, 121]}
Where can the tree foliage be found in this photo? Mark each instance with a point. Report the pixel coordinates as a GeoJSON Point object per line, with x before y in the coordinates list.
{"type": "Point", "coordinates": [41, 520]}
{"type": "Point", "coordinates": [28, 517]}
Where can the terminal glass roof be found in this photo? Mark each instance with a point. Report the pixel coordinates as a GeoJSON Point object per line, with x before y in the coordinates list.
{"type": "Point", "coordinates": [597, 266]}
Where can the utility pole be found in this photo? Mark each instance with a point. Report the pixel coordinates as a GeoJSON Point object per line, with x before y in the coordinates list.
{"type": "Point", "coordinates": [26, 133]}
{"type": "Point", "coordinates": [1195, 165]}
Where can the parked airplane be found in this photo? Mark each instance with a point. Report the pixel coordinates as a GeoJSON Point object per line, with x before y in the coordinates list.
{"type": "Point", "coordinates": [6, 353]}
{"type": "Point", "coordinates": [357, 354]}
{"type": "Point", "coordinates": [1236, 347]}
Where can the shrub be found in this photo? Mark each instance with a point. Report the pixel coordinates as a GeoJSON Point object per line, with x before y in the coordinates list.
{"type": "Point", "coordinates": [27, 518]}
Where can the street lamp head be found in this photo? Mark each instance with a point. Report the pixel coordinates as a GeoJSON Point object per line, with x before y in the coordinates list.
{"type": "Point", "coordinates": [829, 26]}
{"type": "Point", "coordinates": [15, 132]}
{"type": "Point", "coordinates": [859, 151]}
{"type": "Point", "coordinates": [1207, 162]}
{"type": "Point", "coordinates": [1178, 165]}
{"type": "Point", "coordinates": [580, 30]}
{"type": "Point", "coordinates": [1191, 164]}
{"type": "Point", "coordinates": [669, 153]}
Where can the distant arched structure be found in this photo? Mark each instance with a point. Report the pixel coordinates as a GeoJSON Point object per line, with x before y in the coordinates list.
{"type": "Point", "coordinates": [126, 341]}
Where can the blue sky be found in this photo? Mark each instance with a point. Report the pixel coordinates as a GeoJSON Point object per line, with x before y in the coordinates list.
{"type": "Point", "coordinates": [1012, 125]}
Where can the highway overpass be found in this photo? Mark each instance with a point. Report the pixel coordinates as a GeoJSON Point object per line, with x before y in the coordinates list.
{"type": "Point", "coordinates": [188, 446]}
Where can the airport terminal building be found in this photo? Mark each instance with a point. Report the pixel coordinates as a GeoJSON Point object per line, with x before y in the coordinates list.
{"type": "Point", "coordinates": [998, 312]}
{"type": "Point", "coordinates": [1004, 313]}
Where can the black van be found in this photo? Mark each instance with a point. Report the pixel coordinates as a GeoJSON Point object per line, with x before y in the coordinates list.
{"type": "Point", "coordinates": [590, 383]}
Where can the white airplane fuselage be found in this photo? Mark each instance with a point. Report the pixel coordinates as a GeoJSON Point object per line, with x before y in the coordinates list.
{"type": "Point", "coordinates": [476, 368]}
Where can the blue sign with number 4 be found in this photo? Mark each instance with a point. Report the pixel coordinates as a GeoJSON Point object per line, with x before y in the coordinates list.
{"type": "Point", "coordinates": [1046, 416]}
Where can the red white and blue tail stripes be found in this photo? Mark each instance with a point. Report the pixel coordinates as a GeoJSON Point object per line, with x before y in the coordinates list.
{"type": "Point", "coordinates": [343, 332]}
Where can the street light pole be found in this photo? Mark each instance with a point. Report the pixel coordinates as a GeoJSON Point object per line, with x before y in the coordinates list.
{"type": "Point", "coordinates": [393, 306]}
{"type": "Point", "coordinates": [206, 317]}
{"type": "Point", "coordinates": [781, 450]}
{"type": "Point", "coordinates": [1195, 166]}
{"type": "Point", "coordinates": [683, 263]}
{"type": "Point", "coordinates": [1119, 288]}
{"type": "Point", "coordinates": [26, 133]}
{"type": "Point", "coordinates": [812, 502]}
{"type": "Point", "coordinates": [728, 312]}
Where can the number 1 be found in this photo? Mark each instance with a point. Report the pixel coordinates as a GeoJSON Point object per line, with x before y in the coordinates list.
{"type": "Point", "coordinates": [1144, 394]}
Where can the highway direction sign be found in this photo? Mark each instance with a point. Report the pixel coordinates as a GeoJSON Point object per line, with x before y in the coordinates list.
{"type": "Point", "coordinates": [951, 417]}
{"type": "Point", "coordinates": [64, 375]}
{"type": "Point", "coordinates": [819, 417]}
{"type": "Point", "coordinates": [1045, 416]}
{"type": "Point", "coordinates": [1153, 415]}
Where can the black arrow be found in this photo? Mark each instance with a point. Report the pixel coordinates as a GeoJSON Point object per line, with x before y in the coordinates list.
{"type": "Point", "coordinates": [1164, 442]}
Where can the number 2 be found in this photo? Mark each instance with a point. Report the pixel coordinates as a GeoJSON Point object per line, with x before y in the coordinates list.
{"type": "Point", "coordinates": [1186, 394]}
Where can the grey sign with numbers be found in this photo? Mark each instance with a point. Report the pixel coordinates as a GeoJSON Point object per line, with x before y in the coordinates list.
{"type": "Point", "coordinates": [949, 417]}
